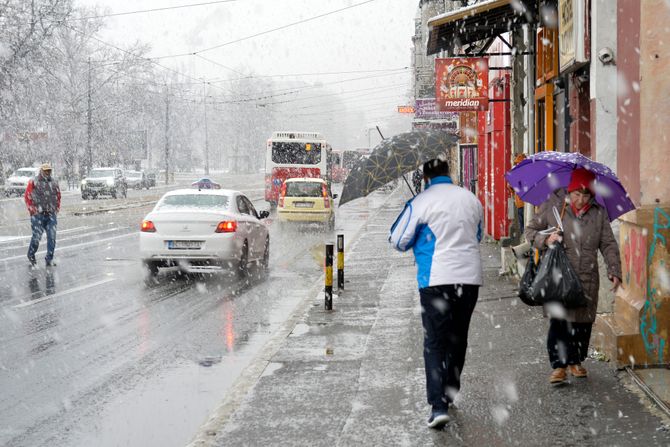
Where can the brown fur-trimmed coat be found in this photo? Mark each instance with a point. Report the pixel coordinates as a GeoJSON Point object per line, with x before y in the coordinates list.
{"type": "Point", "coordinates": [582, 238]}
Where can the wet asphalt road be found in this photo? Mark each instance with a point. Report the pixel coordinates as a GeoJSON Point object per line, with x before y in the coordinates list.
{"type": "Point", "coordinates": [90, 355]}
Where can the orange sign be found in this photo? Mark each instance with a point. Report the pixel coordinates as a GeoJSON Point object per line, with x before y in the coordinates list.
{"type": "Point", "coordinates": [462, 84]}
{"type": "Point", "coordinates": [405, 109]}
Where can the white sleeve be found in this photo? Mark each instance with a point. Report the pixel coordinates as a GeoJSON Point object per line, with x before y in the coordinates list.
{"type": "Point", "coordinates": [404, 228]}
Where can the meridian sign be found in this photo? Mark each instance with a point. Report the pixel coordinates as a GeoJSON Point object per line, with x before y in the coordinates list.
{"type": "Point", "coordinates": [462, 84]}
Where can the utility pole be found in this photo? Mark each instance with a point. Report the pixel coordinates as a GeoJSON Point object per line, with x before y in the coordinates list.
{"type": "Point", "coordinates": [167, 135]}
{"type": "Point", "coordinates": [204, 100]}
{"type": "Point", "coordinates": [89, 120]}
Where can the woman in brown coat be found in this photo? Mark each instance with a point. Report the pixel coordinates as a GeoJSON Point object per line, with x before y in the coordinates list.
{"type": "Point", "coordinates": [586, 229]}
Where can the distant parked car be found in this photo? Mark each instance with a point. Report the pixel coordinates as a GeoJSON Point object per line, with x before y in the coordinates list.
{"type": "Point", "coordinates": [206, 183]}
{"type": "Point", "coordinates": [17, 183]}
{"type": "Point", "coordinates": [137, 179]}
{"type": "Point", "coordinates": [104, 181]}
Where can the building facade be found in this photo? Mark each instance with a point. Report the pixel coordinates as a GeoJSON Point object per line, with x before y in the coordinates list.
{"type": "Point", "coordinates": [586, 76]}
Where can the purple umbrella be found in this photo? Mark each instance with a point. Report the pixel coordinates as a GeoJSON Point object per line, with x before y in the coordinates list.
{"type": "Point", "coordinates": [535, 178]}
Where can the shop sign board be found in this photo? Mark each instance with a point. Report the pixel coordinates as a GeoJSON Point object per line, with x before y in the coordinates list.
{"type": "Point", "coordinates": [426, 109]}
{"type": "Point", "coordinates": [571, 32]}
{"type": "Point", "coordinates": [462, 84]}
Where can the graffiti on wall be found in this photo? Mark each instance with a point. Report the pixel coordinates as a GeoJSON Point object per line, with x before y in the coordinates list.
{"type": "Point", "coordinates": [655, 338]}
{"type": "Point", "coordinates": [634, 255]}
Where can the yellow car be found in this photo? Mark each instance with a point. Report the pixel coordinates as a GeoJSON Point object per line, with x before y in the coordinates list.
{"type": "Point", "coordinates": [306, 200]}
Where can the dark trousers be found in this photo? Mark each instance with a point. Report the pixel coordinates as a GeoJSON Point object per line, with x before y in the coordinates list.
{"type": "Point", "coordinates": [567, 343]}
{"type": "Point", "coordinates": [519, 218]}
{"type": "Point", "coordinates": [446, 312]}
{"type": "Point", "coordinates": [40, 223]}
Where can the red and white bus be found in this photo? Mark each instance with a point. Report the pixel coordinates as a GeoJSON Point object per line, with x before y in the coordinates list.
{"type": "Point", "coordinates": [295, 155]}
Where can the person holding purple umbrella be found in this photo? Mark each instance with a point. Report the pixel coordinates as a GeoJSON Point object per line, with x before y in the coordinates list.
{"type": "Point", "coordinates": [586, 229]}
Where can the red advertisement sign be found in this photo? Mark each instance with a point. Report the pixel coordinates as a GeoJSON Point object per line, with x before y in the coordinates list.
{"type": "Point", "coordinates": [462, 84]}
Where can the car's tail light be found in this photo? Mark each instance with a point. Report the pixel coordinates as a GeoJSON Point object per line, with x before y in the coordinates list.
{"type": "Point", "coordinates": [326, 200]}
{"type": "Point", "coordinates": [282, 194]}
{"type": "Point", "coordinates": [226, 226]}
{"type": "Point", "coordinates": [148, 226]}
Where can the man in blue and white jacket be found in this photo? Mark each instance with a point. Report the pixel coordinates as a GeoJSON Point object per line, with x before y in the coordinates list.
{"type": "Point", "coordinates": [443, 226]}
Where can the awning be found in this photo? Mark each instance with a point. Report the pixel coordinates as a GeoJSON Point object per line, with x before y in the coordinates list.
{"type": "Point", "coordinates": [480, 22]}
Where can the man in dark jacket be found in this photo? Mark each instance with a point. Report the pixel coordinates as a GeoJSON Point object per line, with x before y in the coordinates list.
{"type": "Point", "coordinates": [42, 198]}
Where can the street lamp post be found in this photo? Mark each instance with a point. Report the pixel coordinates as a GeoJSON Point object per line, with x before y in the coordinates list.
{"type": "Point", "coordinates": [204, 100]}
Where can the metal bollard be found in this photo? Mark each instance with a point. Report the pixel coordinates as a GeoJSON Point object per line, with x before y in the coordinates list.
{"type": "Point", "coordinates": [340, 262]}
{"type": "Point", "coordinates": [329, 277]}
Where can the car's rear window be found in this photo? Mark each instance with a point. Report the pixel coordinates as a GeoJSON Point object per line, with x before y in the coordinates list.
{"type": "Point", "coordinates": [304, 189]}
{"type": "Point", "coordinates": [194, 201]}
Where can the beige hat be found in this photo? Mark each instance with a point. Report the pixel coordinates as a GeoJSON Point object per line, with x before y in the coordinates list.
{"type": "Point", "coordinates": [45, 167]}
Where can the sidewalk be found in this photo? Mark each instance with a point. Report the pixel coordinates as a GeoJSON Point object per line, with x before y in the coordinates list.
{"type": "Point", "coordinates": [354, 376]}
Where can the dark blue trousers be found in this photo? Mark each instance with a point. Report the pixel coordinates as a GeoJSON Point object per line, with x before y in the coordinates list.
{"type": "Point", "coordinates": [40, 223]}
{"type": "Point", "coordinates": [446, 313]}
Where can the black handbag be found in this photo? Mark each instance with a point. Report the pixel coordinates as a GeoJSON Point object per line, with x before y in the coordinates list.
{"type": "Point", "coordinates": [556, 281]}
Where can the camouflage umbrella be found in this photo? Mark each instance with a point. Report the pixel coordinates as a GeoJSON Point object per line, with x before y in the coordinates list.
{"type": "Point", "coordinates": [393, 158]}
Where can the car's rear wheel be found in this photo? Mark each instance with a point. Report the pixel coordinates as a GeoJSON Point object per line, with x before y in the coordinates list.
{"type": "Point", "coordinates": [151, 272]}
{"type": "Point", "coordinates": [265, 262]}
{"type": "Point", "coordinates": [243, 265]}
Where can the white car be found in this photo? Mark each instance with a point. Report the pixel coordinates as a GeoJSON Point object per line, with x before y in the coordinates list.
{"type": "Point", "coordinates": [136, 179]}
{"type": "Point", "coordinates": [204, 231]}
{"type": "Point", "coordinates": [18, 181]}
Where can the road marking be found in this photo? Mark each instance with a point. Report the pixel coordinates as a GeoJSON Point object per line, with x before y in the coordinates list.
{"type": "Point", "coordinates": [7, 239]}
{"type": "Point", "coordinates": [64, 292]}
{"type": "Point", "coordinates": [69, 247]}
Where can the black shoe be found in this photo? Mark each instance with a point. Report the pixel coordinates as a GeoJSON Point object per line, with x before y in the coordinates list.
{"type": "Point", "coordinates": [32, 262]}
{"type": "Point", "coordinates": [438, 419]}
{"type": "Point", "coordinates": [51, 264]}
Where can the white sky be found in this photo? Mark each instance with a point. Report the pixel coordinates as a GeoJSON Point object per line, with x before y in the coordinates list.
{"type": "Point", "coordinates": [372, 36]}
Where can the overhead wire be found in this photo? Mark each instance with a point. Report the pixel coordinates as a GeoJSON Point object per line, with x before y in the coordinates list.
{"type": "Point", "coordinates": [142, 11]}
{"type": "Point", "coordinates": [281, 92]}
{"type": "Point", "coordinates": [288, 25]}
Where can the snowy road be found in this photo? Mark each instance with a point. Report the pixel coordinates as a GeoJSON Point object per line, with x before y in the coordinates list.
{"type": "Point", "coordinates": [91, 356]}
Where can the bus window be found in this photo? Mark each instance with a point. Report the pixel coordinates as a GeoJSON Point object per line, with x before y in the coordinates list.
{"type": "Point", "coordinates": [296, 153]}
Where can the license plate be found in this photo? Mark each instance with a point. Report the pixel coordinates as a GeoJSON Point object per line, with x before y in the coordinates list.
{"type": "Point", "coordinates": [184, 245]}
{"type": "Point", "coordinates": [303, 204]}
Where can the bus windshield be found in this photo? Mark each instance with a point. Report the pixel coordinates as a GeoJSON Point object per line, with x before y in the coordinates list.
{"type": "Point", "coordinates": [296, 153]}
